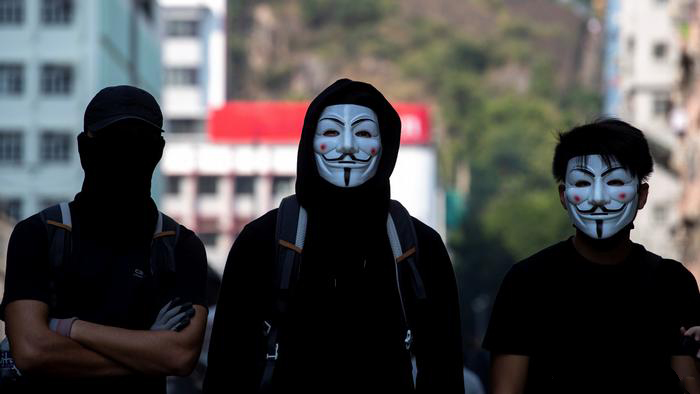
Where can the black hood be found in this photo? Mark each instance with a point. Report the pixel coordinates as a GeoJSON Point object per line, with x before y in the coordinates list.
{"type": "Point", "coordinates": [315, 193]}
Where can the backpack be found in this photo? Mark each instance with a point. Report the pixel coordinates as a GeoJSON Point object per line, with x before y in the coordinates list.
{"type": "Point", "coordinates": [58, 223]}
{"type": "Point", "coordinates": [290, 233]}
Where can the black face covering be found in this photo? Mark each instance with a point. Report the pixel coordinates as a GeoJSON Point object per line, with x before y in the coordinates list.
{"type": "Point", "coordinates": [347, 219]}
{"type": "Point", "coordinates": [119, 161]}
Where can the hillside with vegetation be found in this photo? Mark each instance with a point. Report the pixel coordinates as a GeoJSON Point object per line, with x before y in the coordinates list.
{"type": "Point", "coordinates": [501, 78]}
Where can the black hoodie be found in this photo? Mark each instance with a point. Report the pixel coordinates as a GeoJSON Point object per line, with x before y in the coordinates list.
{"type": "Point", "coordinates": [344, 331]}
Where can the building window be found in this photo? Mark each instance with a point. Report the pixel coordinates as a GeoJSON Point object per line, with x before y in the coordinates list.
{"type": "Point", "coordinates": [660, 213]}
{"type": "Point", "coordinates": [56, 79]}
{"type": "Point", "coordinates": [146, 7]}
{"type": "Point", "coordinates": [244, 185]}
{"type": "Point", "coordinates": [181, 76]}
{"type": "Point", "coordinates": [11, 12]}
{"type": "Point", "coordinates": [659, 50]}
{"type": "Point", "coordinates": [184, 125]}
{"type": "Point", "coordinates": [282, 185]}
{"type": "Point", "coordinates": [661, 104]}
{"type": "Point", "coordinates": [207, 184]}
{"type": "Point", "coordinates": [11, 207]}
{"type": "Point", "coordinates": [57, 12]}
{"type": "Point", "coordinates": [55, 146]}
{"type": "Point", "coordinates": [11, 147]}
{"type": "Point", "coordinates": [208, 239]}
{"type": "Point", "coordinates": [172, 185]}
{"type": "Point", "coordinates": [182, 28]}
{"type": "Point", "coordinates": [11, 78]}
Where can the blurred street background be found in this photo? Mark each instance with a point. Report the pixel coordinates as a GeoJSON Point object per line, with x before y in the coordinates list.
{"type": "Point", "coordinates": [482, 87]}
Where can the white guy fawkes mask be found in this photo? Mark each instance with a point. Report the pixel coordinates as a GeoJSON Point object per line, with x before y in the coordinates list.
{"type": "Point", "coordinates": [347, 145]}
{"type": "Point", "coordinates": [601, 198]}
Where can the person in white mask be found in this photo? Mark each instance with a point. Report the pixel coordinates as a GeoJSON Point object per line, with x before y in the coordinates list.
{"type": "Point", "coordinates": [338, 292]}
{"type": "Point", "coordinates": [595, 313]}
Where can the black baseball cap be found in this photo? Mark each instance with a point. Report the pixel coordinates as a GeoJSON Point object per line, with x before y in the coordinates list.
{"type": "Point", "coordinates": [115, 103]}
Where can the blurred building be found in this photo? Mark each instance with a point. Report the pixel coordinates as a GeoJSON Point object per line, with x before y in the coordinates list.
{"type": "Point", "coordinates": [56, 54]}
{"type": "Point", "coordinates": [5, 231]}
{"type": "Point", "coordinates": [687, 113]}
{"type": "Point", "coordinates": [641, 73]}
{"type": "Point", "coordinates": [247, 164]}
{"type": "Point", "coordinates": [193, 53]}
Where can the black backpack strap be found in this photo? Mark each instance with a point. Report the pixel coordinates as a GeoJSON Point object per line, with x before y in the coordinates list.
{"type": "Point", "coordinates": [290, 233]}
{"type": "Point", "coordinates": [165, 237]}
{"type": "Point", "coordinates": [59, 225]}
{"type": "Point", "coordinates": [404, 246]}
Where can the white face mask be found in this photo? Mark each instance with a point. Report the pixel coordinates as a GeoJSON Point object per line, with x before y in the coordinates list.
{"type": "Point", "coordinates": [601, 199]}
{"type": "Point", "coordinates": [347, 145]}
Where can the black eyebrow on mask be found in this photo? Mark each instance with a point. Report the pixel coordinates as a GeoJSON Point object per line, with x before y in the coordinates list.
{"type": "Point", "coordinates": [362, 120]}
{"type": "Point", "coordinates": [587, 172]}
{"type": "Point", "coordinates": [340, 122]}
{"type": "Point", "coordinates": [609, 170]}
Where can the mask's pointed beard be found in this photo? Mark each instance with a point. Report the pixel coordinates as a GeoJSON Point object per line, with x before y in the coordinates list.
{"type": "Point", "coordinates": [347, 176]}
{"type": "Point", "coordinates": [599, 228]}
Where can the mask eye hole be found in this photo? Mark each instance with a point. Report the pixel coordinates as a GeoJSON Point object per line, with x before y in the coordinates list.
{"type": "Point", "coordinates": [582, 183]}
{"type": "Point", "coordinates": [363, 134]}
{"type": "Point", "coordinates": [615, 182]}
{"type": "Point", "coordinates": [331, 133]}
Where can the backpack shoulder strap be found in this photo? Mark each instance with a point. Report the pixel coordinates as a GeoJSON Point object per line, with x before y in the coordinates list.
{"type": "Point", "coordinates": [59, 225]}
{"type": "Point", "coordinates": [402, 238]}
{"type": "Point", "coordinates": [165, 237]}
{"type": "Point", "coordinates": [166, 228]}
{"type": "Point", "coordinates": [404, 244]}
{"type": "Point", "coordinates": [290, 233]}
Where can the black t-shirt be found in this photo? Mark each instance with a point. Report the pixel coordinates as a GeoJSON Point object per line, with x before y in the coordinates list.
{"type": "Point", "coordinates": [102, 284]}
{"type": "Point", "coordinates": [589, 327]}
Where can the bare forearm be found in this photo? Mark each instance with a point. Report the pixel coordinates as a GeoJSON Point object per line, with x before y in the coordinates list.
{"type": "Point", "coordinates": [684, 366]}
{"type": "Point", "coordinates": [64, 357]}
{"type": "Point", "coordinates": [39, 351]}
{"type": "Point", "coordinates": [150, 352]}
{"type": "Point", "coordinates": [508, 373]}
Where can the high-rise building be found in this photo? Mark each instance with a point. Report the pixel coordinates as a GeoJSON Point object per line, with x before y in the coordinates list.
{"type": "Point", "coordinates": [641, 57]}
{"type": "Point", "coordinates": [193, 52]}
{"type": "Point", "coordinates": [687, 122]}
{"type": "Point", "coordinates": [55, 55]}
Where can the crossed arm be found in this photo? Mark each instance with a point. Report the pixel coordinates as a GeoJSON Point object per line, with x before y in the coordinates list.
{"type": "Point", "coordinates": [96, 350]}
{"type": "Point", "coordinates": [508, 373]}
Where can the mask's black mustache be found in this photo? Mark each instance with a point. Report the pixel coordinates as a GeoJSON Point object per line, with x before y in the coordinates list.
{"type": "Point", "coordinates": [352, 157]}
{"type": "Point", "coordinates": [602, 208]}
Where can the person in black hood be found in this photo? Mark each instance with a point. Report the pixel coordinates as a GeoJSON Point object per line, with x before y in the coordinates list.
{"type": "Point", "coordinates": [343, 329]}
{"type": "Point", "coordinates": [106, 294]}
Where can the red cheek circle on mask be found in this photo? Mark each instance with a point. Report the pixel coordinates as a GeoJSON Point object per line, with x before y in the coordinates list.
{"type": "Point", "coordinates": [577, 198]}
{"type": "Point", "coordinates": [623, 195]}
{"type": "Point", "coordinates": [373, 151]}
{"type": "Point", "coordinates": [323, 147]}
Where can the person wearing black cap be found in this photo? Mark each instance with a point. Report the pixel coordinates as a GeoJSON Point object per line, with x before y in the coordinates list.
{"type": "Point", "coordinates": [105, 293]}
{"type": "Point", "coordinates": [336, 320]}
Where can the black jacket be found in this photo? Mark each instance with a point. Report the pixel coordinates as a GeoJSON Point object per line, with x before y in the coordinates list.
{"type": "Point", "coordinates": [344, 330]}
